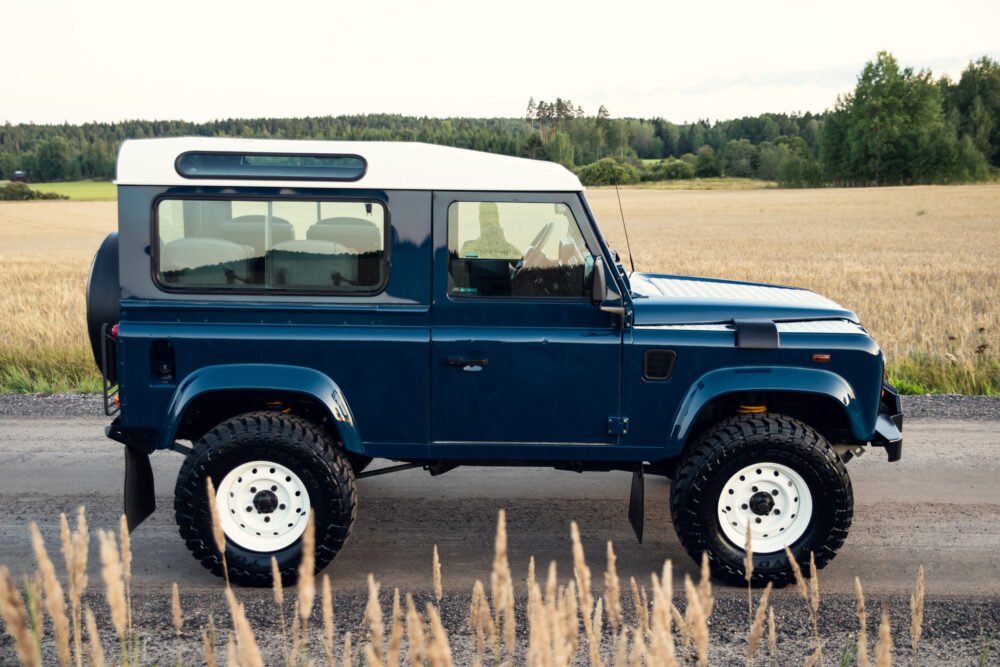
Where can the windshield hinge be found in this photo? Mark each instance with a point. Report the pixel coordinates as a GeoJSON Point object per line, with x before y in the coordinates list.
{"type": "Point", "coordinates": [617, 425]}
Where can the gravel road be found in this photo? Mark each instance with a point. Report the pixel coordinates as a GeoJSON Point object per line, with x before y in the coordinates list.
{"type": "Point", "coordinates": [64, 406]}
{"type": "Point", "coordinates": [939, 506]}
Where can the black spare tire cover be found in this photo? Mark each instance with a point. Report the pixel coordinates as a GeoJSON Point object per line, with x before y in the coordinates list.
{"type": "Point", "coordinates": [103, 292]}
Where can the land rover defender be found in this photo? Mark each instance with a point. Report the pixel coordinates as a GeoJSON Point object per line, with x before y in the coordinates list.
{"type": "Point", "coordinates": [280, 313]}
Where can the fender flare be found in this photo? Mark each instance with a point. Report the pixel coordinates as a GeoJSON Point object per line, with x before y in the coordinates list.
{"type": "Point", "coordinates": [770, 378]}
{"type": "Point", "coordinates": [262, 377]}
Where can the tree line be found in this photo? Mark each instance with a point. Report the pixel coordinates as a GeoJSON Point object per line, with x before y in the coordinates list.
{"type": "Point", "coordinates": [897, 126]}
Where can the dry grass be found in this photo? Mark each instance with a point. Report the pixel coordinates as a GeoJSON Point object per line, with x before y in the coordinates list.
{"type": "Point", "coordinates": [550, 637]}
{"type": "Point", "coordinates": [920, 265]}
{"type": "Point", "coordinates": [45, 253]}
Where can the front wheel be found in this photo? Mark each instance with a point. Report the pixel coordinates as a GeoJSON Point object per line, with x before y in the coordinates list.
{"type": "Point", "coordinates": [269, 470]}
{"type": "Point", "coordinates": [773, 473]}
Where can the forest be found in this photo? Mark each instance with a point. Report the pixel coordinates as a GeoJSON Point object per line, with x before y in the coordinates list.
{"type": "Point", "coordinates": [898, 126]}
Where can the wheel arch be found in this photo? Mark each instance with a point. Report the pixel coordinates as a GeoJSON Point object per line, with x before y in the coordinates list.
{"type": "Point", "coordinates": [213, 394]}
{"type": "Point", "coordinates": [822, 399]}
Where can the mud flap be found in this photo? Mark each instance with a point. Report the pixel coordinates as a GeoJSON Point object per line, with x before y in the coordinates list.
{"type": "Point", "coordinates": [636, 503]}
{"type": "Point", "coordinates": [140, 497]}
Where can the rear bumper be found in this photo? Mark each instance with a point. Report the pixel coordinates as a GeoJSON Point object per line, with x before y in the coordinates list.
{"type": "Point", "coordinates": [889, 426]}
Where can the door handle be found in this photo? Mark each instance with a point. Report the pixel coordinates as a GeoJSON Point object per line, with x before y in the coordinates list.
{"type": "Point", "coordinates": [468, 363]}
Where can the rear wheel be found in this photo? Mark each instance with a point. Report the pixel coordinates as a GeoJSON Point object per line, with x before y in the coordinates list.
{"type": "Point", "coordinates": [773, 473]}
{"type": "Point", "coordinates": [269, 470]}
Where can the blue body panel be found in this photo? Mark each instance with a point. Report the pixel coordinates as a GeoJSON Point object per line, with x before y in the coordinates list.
{"type": "Point", "coordinates": [561, 373]}
{"type": "Point", "coordinates": [709, 365]}
{"type": "Point", "coordinates": [338, 346]}
{"type": "Point", "coordinates": [270, 377]}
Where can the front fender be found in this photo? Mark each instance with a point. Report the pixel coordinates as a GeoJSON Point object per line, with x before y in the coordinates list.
{"type": "Point", "coordinates": [770, 378]}
{"type": "Point", "coordinates": [262, 377]}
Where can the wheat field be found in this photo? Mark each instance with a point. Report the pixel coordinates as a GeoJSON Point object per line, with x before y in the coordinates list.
{"type": "Point", "coordinates": [920, 265]}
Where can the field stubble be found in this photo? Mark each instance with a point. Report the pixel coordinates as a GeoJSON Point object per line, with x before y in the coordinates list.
{"type": "Point", "coordinates": [920, 266]}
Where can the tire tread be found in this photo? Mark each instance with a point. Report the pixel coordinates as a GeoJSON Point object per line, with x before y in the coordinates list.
{"type": "Point", "coordinates": [735, 436]}
{"type": "Point", "coordinates": [269, 429]}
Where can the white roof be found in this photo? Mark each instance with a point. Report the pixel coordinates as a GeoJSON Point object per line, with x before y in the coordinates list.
{"type": "Point", "coordinates": [392, 165]}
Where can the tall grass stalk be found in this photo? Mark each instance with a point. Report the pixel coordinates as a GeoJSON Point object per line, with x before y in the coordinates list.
{"type": "Point", "coordinates": [246, 642]}
{"type": "Point", "coordinates": [55, 601]}
{"type": "Point", "coordinates": [15, 617]}
{"type": "Point", "coordinates": [862, 650]}
{"type": "Point", "coordinates": [438, 593]}
{"type": "Point", "coordinates": [756, 633]}
{"type": "Point", "coordinates": [328, 623]}
{"type": "Point", "coordinates": [306, 585]}
{"type": "Point", "coordinates": [612, 590]}
{"type": "Point", "coordinates": [95, 650]}
{"type": "Point", "coordinates": [75, 546]}
{"type": "Point", "coordinates": [218, 535]}
{"type": "Point", "coordinates": [502, 588]}
{"type": "Point", "coordinates": [33, 597]}
{"type": "Point", "coordinates": [883, 648]}
{"type": "Point", "coordinates": [178, 617]}
{"type": "Point", "coordinates": [415, 633]}
{"type": "Point", "coordinates": [395, 632]}
{"type": "Point", "coordinates": [114, 588]}
{"type": "Point", "coordinates": [278, 592]}
{"type": "Point", "coordinates": [917, 614]}
{"type": "Point", "coordinates": [208, 636]}
{"type": "Point", "coordinates": [125, 541]}
{"type": "Point", "coordinates": [375, 622]}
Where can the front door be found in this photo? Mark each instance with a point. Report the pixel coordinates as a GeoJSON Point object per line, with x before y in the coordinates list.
{"type": "Point", "coordinates": [519, 354]}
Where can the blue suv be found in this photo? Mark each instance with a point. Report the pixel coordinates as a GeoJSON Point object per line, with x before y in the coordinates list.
{"type": "Point", "coordinates": [282, 312]}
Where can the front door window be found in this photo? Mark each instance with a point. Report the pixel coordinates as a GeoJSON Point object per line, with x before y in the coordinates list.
{"type": "Point", "coordinates": [516, 249]}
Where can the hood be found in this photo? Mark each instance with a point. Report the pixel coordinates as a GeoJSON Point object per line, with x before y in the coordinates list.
{"type": "Point", "coordinates": [665, 300]}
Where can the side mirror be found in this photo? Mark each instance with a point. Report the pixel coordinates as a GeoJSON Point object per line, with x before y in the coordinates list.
{"type": "Point", "coordinates": [599, 288]}
{"type": "Point", "coordinates": [599, 293]}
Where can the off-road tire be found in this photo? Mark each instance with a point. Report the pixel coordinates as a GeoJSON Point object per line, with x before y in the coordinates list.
{"type": "Point", "coordinates": [285, 439]}
{"type": "Point", "coordinates": [103, 293]}
{"type": "Point", "coordinates": [741, 441]}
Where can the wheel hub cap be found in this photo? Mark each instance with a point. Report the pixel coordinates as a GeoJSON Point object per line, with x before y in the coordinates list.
{"type": "Point", "coordinates": [265, 502]}
{"type": "Point", "coordinates": [771, 498]}
{"type": "Point", "coordinates": [761, 503]}
{"type": "Point", "coordinates": [263, 506]}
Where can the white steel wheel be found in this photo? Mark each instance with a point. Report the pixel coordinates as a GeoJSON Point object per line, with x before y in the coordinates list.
{"type": "Point", "coordinates": [263, 506]}
{"type": "Point", "coordinates": [772, 499]}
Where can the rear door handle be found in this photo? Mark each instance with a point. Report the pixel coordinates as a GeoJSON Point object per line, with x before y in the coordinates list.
{"type": "Point", "coordinates": [468, 364]}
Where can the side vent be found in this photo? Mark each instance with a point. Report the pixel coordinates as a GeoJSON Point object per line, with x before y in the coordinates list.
{"type": "Point", "coordinates": [658, 364]}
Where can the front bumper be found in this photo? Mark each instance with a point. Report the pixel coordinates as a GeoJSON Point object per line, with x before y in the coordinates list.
{"type": "Point", "coordinates": [889, 426]}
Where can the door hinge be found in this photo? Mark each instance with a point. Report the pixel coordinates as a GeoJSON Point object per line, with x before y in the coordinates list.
{"type": "Point", "coordinates": [617, 425]}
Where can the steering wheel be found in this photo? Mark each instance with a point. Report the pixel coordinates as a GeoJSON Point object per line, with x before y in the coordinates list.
{"type": "Point", "coordinates": [534, 249]}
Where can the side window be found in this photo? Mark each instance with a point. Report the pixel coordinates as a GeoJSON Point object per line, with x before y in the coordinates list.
{"type": "Point", "coordinates": [313, 246]}
{"type": "Point", "coordinates": [516, 249]}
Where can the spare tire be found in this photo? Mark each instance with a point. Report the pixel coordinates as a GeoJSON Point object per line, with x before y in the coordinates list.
{"type": "Point", "coordinates": [103, 292]}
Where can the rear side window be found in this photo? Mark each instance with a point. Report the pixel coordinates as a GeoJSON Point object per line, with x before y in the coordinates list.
{"type": "Point", "coordinates": [516, 249]}
{"type": "Point", "coordinates": [277, 245]}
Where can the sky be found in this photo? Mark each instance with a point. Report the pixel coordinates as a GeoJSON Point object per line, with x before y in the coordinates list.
{"type": "Point", "coordinates": [87, 60]}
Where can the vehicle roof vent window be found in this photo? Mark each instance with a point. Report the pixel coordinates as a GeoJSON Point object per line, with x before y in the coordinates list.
{"type": "Point", "coordinates": [272, 166]}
